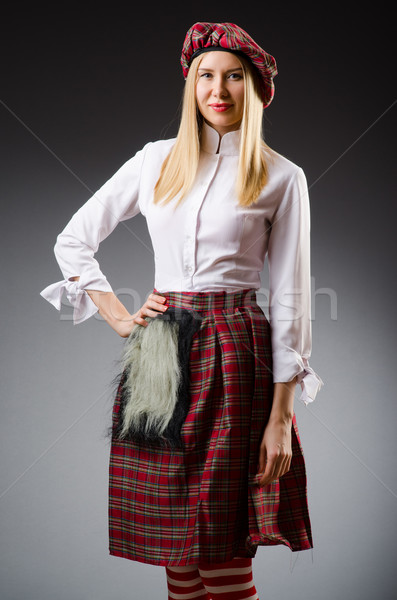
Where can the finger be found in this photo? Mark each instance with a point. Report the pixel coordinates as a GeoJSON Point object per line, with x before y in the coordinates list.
{"type": "Point", "coordinates": [153, 313]}
{"type": "Point", "coordinates": [288, 464]}
{"type": "Point", "coordinates": [278, 467]}
{"type": "Point", "coordinates": [267, 476]}
{"type": "Point", "coordinates": [141, 321]}
{"type": "Point", "coordinates": [158, 306]}
{"type": "Point", "coordinates": [279, 472]}
{"type": "Point", "coordinates": [284, 466]}
{"type": "Point", "coordinates": [262, 460]}
{"type": "Point", "coordinates": [156, 299]}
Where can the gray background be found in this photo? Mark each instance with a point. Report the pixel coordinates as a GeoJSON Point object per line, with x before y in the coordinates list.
{"type": "Point", "coordinates": [81, 91]}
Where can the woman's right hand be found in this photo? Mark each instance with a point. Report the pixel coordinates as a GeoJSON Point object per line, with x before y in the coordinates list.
{"type": "Point", "coordinates": [153, 305]}
{"type": "Point", "coordinates": [118, 317]}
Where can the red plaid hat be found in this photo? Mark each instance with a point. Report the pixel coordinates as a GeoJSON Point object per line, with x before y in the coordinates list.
{"type": "Point", "coordinates": [205, 37]}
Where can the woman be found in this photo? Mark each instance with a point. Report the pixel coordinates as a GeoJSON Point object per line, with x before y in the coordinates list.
{"type": "Point", "coordinates": [206, 462]}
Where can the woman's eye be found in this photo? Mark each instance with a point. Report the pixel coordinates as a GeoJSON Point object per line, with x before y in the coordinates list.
{"type": "Point", "coordinates": [233, 76]}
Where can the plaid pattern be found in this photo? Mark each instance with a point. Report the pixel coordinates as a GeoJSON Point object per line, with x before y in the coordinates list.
{"type": "Point", "coordinates": [202, 503]}
{"type": "Point", "coordinates": [232, 37]}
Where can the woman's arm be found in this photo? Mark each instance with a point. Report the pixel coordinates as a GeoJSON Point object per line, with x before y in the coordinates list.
{"type": "Point", "coordinates": [117, 200]}
{"type": "Point", "coordinates": [118, 317]}
{"type": "Point", "coordinates": [275, 452]}
{"type": "Point", "coordinates": [113, 312]}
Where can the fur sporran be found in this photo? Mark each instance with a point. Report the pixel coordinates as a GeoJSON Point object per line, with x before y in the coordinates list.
{"type": "Point", "coordinates": [155, 394]}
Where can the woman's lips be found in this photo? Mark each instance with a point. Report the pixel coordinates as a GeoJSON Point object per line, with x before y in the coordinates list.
{"type": "Point", "coordinates": [221, 107]}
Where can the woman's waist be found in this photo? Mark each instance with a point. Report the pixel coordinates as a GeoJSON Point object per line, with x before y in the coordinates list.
{"type": "Point", "coordinates": [203, 301]}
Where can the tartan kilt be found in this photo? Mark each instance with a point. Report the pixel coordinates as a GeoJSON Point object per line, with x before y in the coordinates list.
{"type": "Point", "coordinates": [202, 502]}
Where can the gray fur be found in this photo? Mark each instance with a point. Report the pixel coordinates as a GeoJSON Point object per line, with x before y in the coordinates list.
{"type": "Point", "coordinates": [151, 387]}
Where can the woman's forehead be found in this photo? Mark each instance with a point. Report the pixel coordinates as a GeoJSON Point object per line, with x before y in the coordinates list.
{"type": "Point", "coordinates": [219, 60]}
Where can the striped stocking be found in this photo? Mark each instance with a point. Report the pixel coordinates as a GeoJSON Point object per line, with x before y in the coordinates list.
{"type": "Point", "coordinates": [216, 581]}
{"type": "Point", "coordinates": [184, 583]}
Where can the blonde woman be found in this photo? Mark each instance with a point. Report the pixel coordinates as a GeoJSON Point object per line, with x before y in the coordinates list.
{"type": "Point", "coordinates": [206, 462]}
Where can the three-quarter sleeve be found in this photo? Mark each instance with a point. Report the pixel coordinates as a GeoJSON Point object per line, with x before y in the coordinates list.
{"type": "Point", "coordinates": [76, 245]}
{"type": "Point", "coordinates": [290, 293]}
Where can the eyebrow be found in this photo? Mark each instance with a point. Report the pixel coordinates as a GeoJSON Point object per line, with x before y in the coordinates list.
{"type": "Point", "coordinates": [212, 70]}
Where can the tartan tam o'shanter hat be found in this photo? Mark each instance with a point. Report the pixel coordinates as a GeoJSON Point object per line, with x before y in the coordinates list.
{"type": "Point", "coordinates": [206, 37]}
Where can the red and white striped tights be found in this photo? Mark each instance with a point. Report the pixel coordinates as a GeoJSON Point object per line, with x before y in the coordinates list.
{"type": "Point", "coordinates": [231, 580]}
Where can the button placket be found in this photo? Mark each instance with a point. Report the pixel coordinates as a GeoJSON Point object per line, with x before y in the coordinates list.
{"type": "Point", "coordinates": [196, 201]}
{"type": "Point", "coordinates": [188, 249]}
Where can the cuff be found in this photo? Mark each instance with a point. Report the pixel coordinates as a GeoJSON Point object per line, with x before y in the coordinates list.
{"type": "Point", "coordinates": [84, 307]}
{"type": "Point", "coordinates": [290, 364]}
{"type": "Point", "coordinates": [310, 383]}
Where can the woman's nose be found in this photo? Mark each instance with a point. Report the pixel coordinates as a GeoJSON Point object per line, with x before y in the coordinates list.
{"type": "Point", "coordinates": [219, 88]}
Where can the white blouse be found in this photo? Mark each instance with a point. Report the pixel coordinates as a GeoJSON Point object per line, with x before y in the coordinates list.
{"type": "Point", "coordinates": [207, 243]}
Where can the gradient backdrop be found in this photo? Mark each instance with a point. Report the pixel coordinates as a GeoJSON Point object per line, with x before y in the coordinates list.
{"type": "Point", "coordinates": [82, 89]}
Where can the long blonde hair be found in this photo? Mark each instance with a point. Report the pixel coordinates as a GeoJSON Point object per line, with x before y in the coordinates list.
{"type": "Point", "coordinates": [179, 168]}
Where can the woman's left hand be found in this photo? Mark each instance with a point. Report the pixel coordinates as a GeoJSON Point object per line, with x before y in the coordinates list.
{"type": "Point", "coordinates": [275, 452]}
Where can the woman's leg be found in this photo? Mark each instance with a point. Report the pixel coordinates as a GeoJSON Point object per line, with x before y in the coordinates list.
{"type": "Point", "coordinates": [215, 581]}
{"type": "Point", "coordinates": [229, 581]}
{"type": "Point", "coordinates": [184, 583]}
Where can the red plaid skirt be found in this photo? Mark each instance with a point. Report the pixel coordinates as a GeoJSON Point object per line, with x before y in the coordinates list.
{"type": "Point", "coordinates": [175, 507]}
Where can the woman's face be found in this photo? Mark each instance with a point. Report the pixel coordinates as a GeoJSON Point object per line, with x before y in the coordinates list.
{"type": "Point", "coordinates": [220, 91]}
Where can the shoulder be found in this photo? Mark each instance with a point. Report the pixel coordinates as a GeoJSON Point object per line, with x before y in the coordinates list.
{"type": "Point", "coordinates": [281, 167]}
{"type": "Point", "coordinates": [148, 158]}
{"type": "Point", "coordinates": [159, 149]}
{"type": "Point", "coordinates": [151, 152]}
{"type": "Point", "coordinates": [285, 184]}
{"type": "Point", "coordinates": [284, 176]}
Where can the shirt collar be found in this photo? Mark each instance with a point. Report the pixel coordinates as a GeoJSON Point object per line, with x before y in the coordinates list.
{"type": "Point", "coordinates": [230, 142]}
